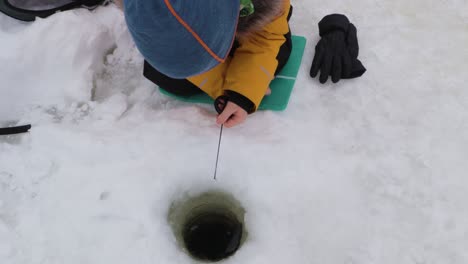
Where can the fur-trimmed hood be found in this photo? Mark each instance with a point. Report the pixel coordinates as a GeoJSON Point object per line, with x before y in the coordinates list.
{"type": "Point", "coordinates": [265, 12]}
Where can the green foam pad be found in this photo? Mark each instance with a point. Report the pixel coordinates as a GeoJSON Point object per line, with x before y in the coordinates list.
{"type": "Point", "coordinates": [281, 87]}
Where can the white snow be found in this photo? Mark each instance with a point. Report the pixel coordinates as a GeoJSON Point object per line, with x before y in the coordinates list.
{"type": "Point", "coordinates": [366, 171]}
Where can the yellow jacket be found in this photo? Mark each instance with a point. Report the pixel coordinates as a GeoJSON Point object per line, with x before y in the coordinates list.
{"type": "Point", "coordinates": [252, 67]}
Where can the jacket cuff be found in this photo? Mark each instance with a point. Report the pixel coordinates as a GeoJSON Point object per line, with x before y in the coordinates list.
{"type": "Point", "coordinates": [240, 100]}
{"type": "Point", "coordinates": [333, 22]}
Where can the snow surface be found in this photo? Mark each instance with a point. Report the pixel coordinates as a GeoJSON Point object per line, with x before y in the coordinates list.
{"type": "Point", "coordinates": [372, 170]}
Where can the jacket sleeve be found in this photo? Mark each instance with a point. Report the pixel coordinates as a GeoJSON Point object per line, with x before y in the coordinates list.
{"type": "Point", "coordinates": [212, 81]}
{"type": "Point", "coordinates": [254, 63]}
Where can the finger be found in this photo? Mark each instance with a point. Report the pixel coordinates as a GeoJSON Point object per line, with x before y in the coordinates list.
{"type": "Point", "coordinates": [352, 34]}
{"type": "Point", "coordinates": [357, 70]}
{"type": "Point", "coordinates": [336, 69]}
{"type": "Point", "coordinates": [317, 62]}
{"type": "Point", "coordinates": [352, 41]}
{"type": "Point", "coordinates": [220, 103]}
{"type": "Point", "coordinates": [326, 67]}
{"type": "Point", "coordinates": [268, 91]}
{"type": "Point", "coordinates": [347, 65]}
{"type": "Point", "coordinates": [228, 111]}
{"type": "Point", "coordinates": [236, 119]}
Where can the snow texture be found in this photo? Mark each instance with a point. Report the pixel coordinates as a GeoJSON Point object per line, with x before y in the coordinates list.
{"type": "Point", "coordinates": [366, 171]}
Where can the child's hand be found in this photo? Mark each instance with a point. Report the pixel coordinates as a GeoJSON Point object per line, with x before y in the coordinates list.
{"type": "Point", "coordinates": [232, 115]}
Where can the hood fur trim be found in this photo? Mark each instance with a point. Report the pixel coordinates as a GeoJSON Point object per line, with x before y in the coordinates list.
{"type": "Point", "coordinates": [265, 12]}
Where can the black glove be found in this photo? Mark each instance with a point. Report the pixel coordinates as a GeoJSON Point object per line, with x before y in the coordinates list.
{"type": "Point", "coordinates": [337, 51]}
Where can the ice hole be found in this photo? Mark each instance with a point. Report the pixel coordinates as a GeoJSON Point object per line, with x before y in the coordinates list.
{"type": "Point", "coordinates": [210, 226]}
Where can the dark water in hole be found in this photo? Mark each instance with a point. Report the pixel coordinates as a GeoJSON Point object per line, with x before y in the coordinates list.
{"type": "Point", "coordinates": [212, 236]}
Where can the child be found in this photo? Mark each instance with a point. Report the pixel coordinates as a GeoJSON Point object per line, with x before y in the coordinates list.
{"type": "Point", "coordinates": [229, 49]}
